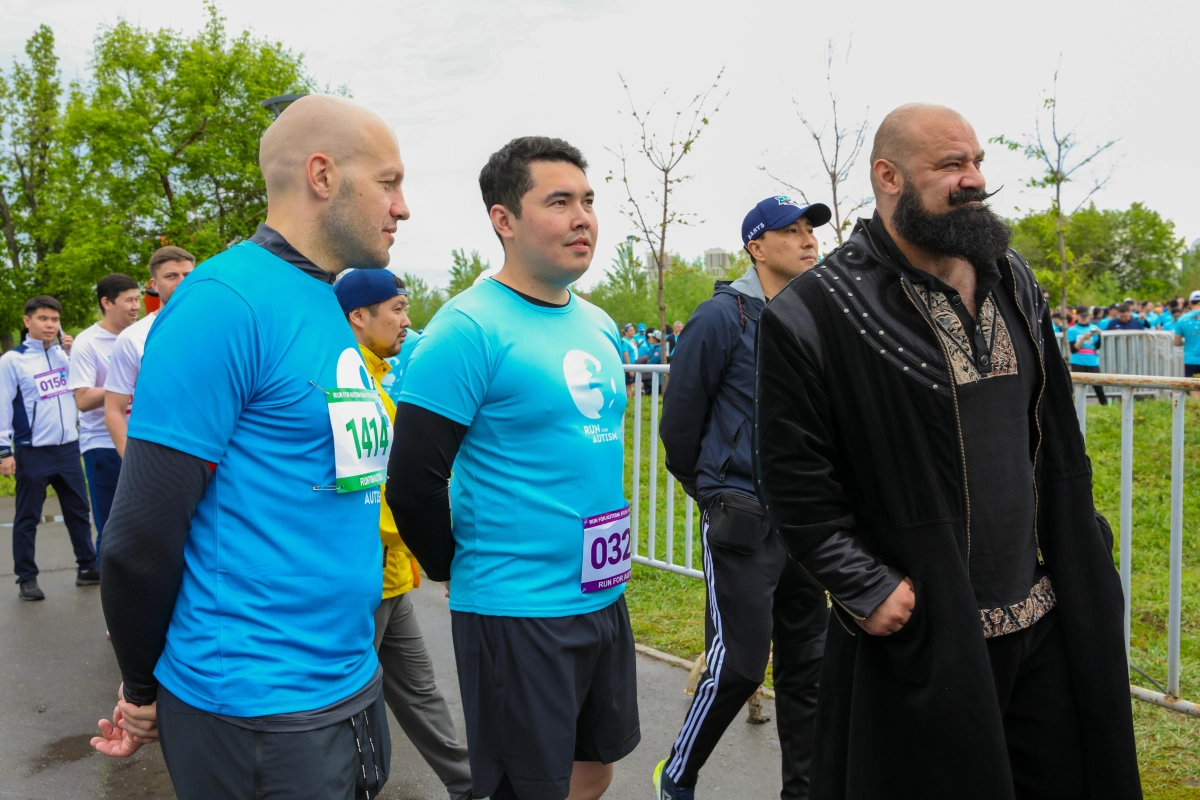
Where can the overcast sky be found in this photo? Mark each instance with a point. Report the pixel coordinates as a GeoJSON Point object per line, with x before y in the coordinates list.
{"type": "Point", "coordinates": [458, 78]}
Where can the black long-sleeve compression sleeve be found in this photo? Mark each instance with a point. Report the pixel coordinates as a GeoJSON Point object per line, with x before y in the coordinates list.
{"type": "Point", "coordinates": [141, 564]}
{"type": "Point", "coordinates": [422, 457]}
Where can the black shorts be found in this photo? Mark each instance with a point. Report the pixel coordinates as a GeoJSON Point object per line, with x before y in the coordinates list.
{"type": "Point", "coordinates": [1190, 370]}
{"type": "Point", "coordinates": [628, 378]}
{"type": "Point", "coordinates": [541, 693]}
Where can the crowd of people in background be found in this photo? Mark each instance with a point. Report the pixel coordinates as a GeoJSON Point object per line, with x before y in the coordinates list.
{"type": "Point", "coordinates": [1086, 325]}
{"type": "Point", "coordinates": [642, 345]}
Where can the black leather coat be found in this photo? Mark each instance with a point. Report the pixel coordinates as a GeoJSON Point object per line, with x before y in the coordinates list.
{"type": "Point", "coordinates": [857, 438]}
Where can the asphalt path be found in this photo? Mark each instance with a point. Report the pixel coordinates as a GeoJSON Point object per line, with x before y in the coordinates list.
{"type": "Point", "coordinates": [58, 677]}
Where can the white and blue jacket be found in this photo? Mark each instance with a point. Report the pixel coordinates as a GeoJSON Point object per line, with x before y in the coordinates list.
{"type": "Point", "coordinates": [36, 407]}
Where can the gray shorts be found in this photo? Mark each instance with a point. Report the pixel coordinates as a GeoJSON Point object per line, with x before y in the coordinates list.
{"type": "Point", "coordinates": [208, 757]}
{"type": "Point", "coordinates": [541, 693]}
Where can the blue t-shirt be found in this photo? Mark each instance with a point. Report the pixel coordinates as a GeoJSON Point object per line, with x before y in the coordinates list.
{"type": "Point", "coordinates": [393, 382]}
{"type": "Point", "coordinates": [1188, 326]}
{"type": "Point", "coordinates": [629, 351]}
{"type": "Point", "coordinates": [1104, 323]}
{"type": "Point", "coordinates": [1086, 355]}
{"type": "Point", "coordinates": [543, 395]}
{"type": "Point", "coordinates": [281, 580]}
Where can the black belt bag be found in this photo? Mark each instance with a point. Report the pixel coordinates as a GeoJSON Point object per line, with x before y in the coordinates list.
{"type": "Point", "coordinates": [736, 522]}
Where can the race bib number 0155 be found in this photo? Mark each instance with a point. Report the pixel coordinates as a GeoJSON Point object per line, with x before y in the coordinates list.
{"type": "Point", "coordinates": [607, 556]}
{"type": "Point", "coordinates": [362, 438]}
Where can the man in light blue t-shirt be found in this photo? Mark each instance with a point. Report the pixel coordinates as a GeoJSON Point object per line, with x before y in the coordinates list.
{"type": "Point", "coordinates": [241, 607]}
{"type": "Point", "coordinates": [1187, 334]}
{"type": "Point", "coordinates": [1084, 340]}
{"type": "Point", "coordinates": [517, 387]}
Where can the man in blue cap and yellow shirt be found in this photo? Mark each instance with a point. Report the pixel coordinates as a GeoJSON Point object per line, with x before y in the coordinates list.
{"type": "Point", "coordinates": [375, 303]}
{"type": "Point", "coordinates": [756, 593]}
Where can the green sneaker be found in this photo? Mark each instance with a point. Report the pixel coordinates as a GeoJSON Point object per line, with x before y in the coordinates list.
{"type": "Point", "coordinates": [658, 771]}
{"type": "Point", "coordinates": [665, 788]}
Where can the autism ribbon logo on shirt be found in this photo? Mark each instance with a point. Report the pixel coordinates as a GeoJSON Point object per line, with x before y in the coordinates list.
{"type": "Point", "coordinates": [580, 370]}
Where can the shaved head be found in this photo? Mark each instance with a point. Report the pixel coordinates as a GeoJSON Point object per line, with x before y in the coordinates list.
{"type": "Point", "coordinates": [317, 123]}
{"type": "Point", "coordinates": [333, 174]}
{"type": "Point", "coordinates": [900, 133]}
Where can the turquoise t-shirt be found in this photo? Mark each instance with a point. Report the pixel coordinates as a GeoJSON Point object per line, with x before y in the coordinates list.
{"type": "Point", "coordinates": [1086, 355]}
{"type": "Point", "coordinates": [542, 393]}
{"type": "Point", "coordinates": [393, 382]}
{"type": "Point", "coordinates": [1103, 324]}
{"type": "Point", "coordinates": [281, 578]}
{"type": "Point", "coordinates": [628, 351]}
{"type": "Point", "coordinates": [1188, 326]}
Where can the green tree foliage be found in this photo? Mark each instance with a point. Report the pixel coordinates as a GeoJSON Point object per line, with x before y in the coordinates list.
{"type": "Point", "coordinates": [625, 292]}
{"type": "Point", "coordinates": [32, 193]}
{"type": "Point", "coordinates": [1115, 253]}
{"type": "Point", "coordinates": [167, 128]}
{"type": "Point", "coordinates": [157, 145]}
{"type": "Point", "coordinates": [628, 293]}
{"type": "Point", "coordinates": [1189, 273]}
{"type": "Point", "coordinates": [465, 270]}
{"type": "Point", "coordinates": [423, 300]}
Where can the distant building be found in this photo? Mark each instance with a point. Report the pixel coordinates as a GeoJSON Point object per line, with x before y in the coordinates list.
{"type": "Point", "coordinates": [1195, 247]}
{"type": "Point", "coordinates": [716, 261]}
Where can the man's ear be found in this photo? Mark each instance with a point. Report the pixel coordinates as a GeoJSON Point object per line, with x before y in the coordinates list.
{"type": "Point", "coordinates": [887, 177]}
{"type": "Point", "coordinates": [322, 175]}
{"type": "Point", "coordinates": [754, 246]}
{"type": "Point", "coordinates": [356, 319]}
{"type": "Point", "coordinates": [502, 222]}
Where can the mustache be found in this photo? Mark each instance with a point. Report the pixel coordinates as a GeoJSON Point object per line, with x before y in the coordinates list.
{"type": "Point", "coordinates": [970, 196]}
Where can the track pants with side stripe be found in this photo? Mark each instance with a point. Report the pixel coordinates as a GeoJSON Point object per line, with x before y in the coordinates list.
{"type": "Point", "coordinates": [754, 599]}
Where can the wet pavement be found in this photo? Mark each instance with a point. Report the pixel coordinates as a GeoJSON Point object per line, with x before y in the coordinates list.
{"type": "Point", "coordinates": [58, 677]}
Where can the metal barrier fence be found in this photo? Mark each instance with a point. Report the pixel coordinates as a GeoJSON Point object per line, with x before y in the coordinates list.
{"type": "Point", "coordinates": [655, 373]}
{"type": "Point", "coordinates": [1178, 389]}
{"type": "Point", "coordinates": [1141, 353]}
{"type": "Point", "coordinates": [647, 552]}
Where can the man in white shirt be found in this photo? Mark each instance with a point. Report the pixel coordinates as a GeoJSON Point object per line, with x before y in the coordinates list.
{"type": "Point", "coordinates": [119, 297]}
{"type": "Point", "coordinates": [168, 267]}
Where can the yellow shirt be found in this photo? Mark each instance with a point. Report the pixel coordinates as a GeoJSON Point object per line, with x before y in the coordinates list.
{"type": "Point", "coordinates": [400, 570]}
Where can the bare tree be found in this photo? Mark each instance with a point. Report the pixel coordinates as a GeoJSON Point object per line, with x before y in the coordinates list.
{"type": "Point", "coordinates": [664, 158]}
{"type": "Point", "coordinates": [839, 147]}
{"type": "Point", "coordinates": [1061, 160]}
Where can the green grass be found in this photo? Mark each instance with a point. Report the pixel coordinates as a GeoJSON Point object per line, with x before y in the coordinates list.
{"type": "Point", "coordinates": [667, 610]}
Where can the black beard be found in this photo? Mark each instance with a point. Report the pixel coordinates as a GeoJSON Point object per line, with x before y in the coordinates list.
{"type": "Point", "coordinates": [971, 232]}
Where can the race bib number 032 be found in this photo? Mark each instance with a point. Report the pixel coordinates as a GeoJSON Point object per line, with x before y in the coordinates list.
{"type": "Point", "coordinates": [362, 438]}
{"type": "Point", "coordinates": [607, 556]}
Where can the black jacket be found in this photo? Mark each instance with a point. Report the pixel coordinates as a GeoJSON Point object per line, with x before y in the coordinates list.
{"type": "Point", "coordinates": [856, 436]}
{"type": "Point", "coordinates": [705, 425]}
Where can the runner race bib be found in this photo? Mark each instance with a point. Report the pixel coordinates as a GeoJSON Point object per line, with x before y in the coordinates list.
{"type": "Point", "coordinates": [51, 384]}
{"type": "Point", "coordinates": [607, 556]}
{"type": "Point", "coordinates": [362, 438]}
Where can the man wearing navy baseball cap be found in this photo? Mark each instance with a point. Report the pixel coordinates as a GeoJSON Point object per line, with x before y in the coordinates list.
{"type": "Point", "coordinates": [375, 302]}
{"type": "Point", "coordinates": [757, 592]}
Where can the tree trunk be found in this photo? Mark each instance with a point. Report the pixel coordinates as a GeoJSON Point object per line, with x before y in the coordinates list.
{"type": "Point", "coordinates": [1062, 256]}
{"type": "Point", "coordinates": [10, 232]}
{"type": "Point", "coordinates": [837, 212]}
{"type": "Point", "coordinates": [662, 259]}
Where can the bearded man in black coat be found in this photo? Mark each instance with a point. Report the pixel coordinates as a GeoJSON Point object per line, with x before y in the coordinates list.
{"type": "Point", "coordinates": [917, 449]}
